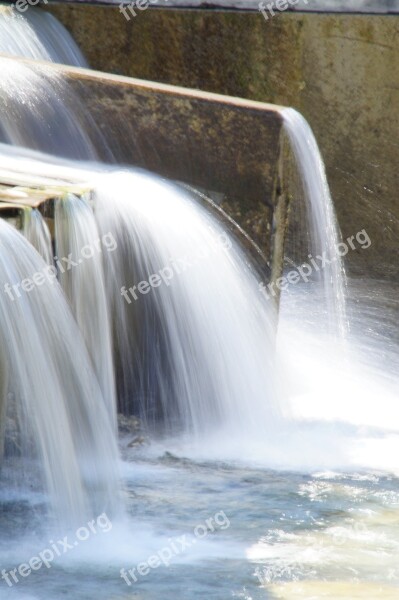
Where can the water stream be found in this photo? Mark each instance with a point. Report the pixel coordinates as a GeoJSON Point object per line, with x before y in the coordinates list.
{"type": "Point", "coordinates": [257, 452]}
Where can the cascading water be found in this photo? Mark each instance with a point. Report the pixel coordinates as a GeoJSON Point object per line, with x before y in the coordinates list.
{"type": "Point", "coordinates": [77, 237]}
{"type": "Point", "coordinates": [172, 314]}
{"type": "Point", "coordinates": [201, 344]}
{"type": "Point", "coordinates": [156, 331]}
{"type": "Point", "coordinates": [39, 111]}
{"type": "Point", "coordinates": [324, 231]}
{"type": "Point", "coordinates": [37, 35]}
{"type": "Point", "coordinates": [174, 367]}
{"type": "Point", "coordinates": [37, 233]}
{"type": "Point", "coordinates": [49, 377]}
{"type": "Point", "coordinates": [197, 357]}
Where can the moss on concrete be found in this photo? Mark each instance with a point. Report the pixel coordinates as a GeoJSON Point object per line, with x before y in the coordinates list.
{"type": "Point", "coordinates": [340, 71]}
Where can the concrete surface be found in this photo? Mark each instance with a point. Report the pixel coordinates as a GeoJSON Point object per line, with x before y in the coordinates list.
{"type": "Point", "coordinates": [340, 71]}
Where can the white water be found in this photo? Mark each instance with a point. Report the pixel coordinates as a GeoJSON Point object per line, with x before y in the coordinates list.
{"type": "Point", "coordinates": [212, 371]}
{"type": "Point", "coordinates": [189, 379]}
{"type": "Point", "coordinates": [324, 231]}
{"type": "Point", "coordinates": [38, 35]}
{"type": "Point", "coordinates": [65, 413]}
{"type": "Point", "coordinates": [174, 365]}
{"type": "Point", "coordinates": [37, 233]}
{"type": "Point", "coordinates": [39, 110]}
{"type": "Point", "coordinates": [57, 399]}
{"type": "Point", "coordinates": [77, 237]}
{"type": "Point", "coordinates": [202, 340]}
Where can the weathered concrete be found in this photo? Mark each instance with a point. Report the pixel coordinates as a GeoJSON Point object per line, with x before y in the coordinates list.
{"type": "Point", "coordinates": [212, 142]}
{"type": "Point", "coordinates": [220, 144]}
{"type": "Point", "coordinates": [340, 71]}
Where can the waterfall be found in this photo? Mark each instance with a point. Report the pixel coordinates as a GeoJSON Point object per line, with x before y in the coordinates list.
{"type": "Point", "coordinates": [195, 352]}
{"type": "Point", "coordinates": [38, 35]}
{"type": "Point", "coordinates": [123, 290]}
{"type": "Point", "coordinates": [37, 233]}
{"type": "Point", "coordinates": [195, 335]}
{"type": "Point", "coordinates": [192, 336]}
{"type": "Point", "coordinates": [77, 237]}
{"type": "Point", "coordinates": [50, 379]}
{"type": "Point", "coordinates": [39, 110]}
{"type": "Point", "coordinates": [324, 230]}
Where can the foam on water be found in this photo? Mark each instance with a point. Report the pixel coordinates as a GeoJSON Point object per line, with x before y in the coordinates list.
{"type": "Point", "coordinates": [192, 357]}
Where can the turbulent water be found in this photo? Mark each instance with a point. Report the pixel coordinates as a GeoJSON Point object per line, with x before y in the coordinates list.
{"type": "Point", "coordinates": [199, 343]}
{"type": "Point", "coordinates": [172, 313]}
{"type": "Point", "coordinates": [265, 461]}
{"type": "Point", "coordinates": [56, 407]}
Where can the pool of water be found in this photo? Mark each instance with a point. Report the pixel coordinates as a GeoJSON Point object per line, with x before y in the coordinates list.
{"type": "Point", "coordinates": [310, 512]}
{"type": "Point", "coordinates": [220, 530]}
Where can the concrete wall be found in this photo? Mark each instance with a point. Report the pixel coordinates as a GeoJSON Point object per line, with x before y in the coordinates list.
{"type": "Point", "coordinates": [340, 71]}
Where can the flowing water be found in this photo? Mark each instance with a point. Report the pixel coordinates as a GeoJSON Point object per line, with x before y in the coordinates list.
{"type": "Point", "coordinates": [323, 230]}
{"type": "Point", "coordinates": [194, 362]}
{"type": "Point", "coordinates": [50, 393]}
{"type": "Point", "coordinates": [39, 111]}
{"type": "Point", "coordinates": [38, 35]}
{"type": "Point", "coordinates": [264, 464]}
{"type": "Point", "coordinates": [37, 233]}
{"type": "Point", "coordinates": [77, 237]}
